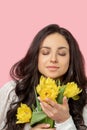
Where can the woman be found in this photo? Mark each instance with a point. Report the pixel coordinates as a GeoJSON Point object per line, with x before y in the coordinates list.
{"type": "Point", "coordinates": [54, 53]}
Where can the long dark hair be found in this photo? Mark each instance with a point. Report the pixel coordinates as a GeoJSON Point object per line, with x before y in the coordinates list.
{"type": "Point", "coordinates": [26, 75]}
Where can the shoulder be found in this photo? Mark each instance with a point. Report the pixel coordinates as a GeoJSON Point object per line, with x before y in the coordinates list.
{"type": "Point", "coordinates": [7, 96]}
{"type": "Point", "coordinates": [8, 86]}
{"type": "Point", "coordinates": [7, 91]}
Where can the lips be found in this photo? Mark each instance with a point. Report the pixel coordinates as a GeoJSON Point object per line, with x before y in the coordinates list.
{"type": "Point", "coordinates": [53, 68]}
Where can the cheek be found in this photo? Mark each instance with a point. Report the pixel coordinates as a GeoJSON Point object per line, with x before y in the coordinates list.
{"type": "Point", "coordinates": [65, 63]}
{"type": "Point", "coordinates": [42, 59]}
{"type": "Point", "coordinates": [66, 66]}
{"type": "Point", "coordinates": [40, 62]}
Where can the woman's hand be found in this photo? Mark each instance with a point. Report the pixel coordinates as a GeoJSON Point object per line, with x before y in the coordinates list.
{"type": "Point", "coordinates": [42, 127]}
{"type": "Point", "coordinates": [57, 112]}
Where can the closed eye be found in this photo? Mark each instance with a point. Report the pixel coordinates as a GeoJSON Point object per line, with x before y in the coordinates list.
{"type": "Point", "coordinates": [62, 54]}
{"type": "Point", "coordinates": [45, 52]}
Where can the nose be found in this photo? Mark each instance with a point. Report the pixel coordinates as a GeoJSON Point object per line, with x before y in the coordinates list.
{"type": "Point", "coordinates": [53, 58]}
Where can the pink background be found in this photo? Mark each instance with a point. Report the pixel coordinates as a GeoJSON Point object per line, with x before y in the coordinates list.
{"type": "Point", "coordinates": [20, 20]}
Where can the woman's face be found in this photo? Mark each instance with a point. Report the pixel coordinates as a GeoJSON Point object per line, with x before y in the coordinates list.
{"type": "Point", "coordinates": [54, 56]}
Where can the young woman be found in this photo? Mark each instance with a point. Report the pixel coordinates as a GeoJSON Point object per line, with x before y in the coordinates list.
{"type": "Point", "coordinates": [54, 53]}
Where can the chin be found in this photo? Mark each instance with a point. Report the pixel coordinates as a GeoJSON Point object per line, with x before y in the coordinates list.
{"type": "Point", "coordinates": [52, 77]}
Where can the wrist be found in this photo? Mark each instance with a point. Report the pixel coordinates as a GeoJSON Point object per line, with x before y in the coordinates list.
{"type": "Point", "coordinates": [63, 119]}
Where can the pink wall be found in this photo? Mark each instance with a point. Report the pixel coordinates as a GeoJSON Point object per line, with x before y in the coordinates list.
{"type": "Point", "coordinates": [20, 20]}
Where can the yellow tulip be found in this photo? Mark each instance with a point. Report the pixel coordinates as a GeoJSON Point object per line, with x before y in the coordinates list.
{"type": "Point", "coordinates": [24, 114]}
{"type": "Point", "coordinates": [72, 90]}
{"type": "Point", "coordinates": [47, 88]}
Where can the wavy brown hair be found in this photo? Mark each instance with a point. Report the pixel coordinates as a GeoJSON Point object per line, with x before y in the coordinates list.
{"type": "Point", "coordinates": [26, 75]}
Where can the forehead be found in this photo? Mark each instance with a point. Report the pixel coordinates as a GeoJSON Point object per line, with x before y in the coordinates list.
{"type": "Point", "coordinates": [56, 40]}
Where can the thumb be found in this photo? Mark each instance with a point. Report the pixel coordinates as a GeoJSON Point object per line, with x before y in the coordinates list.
{"type": "Point", "coordinates": [65, 101]}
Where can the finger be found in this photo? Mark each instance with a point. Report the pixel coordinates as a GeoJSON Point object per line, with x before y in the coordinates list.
{"type": "Point", "coordinates": [65, 101]}
{"type": "Point", "coordinates": [50, 102]}
{"type": "Point", "coordinates": [43, 125]}
{"type": "Point", "coordinates": [49, 110]}
{"type": "Point", "coordinates": [39, 98]}
{"type": "Point", "coordinates": [46, 108]}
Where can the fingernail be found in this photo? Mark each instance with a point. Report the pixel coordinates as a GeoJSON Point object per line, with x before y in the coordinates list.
{"type": "Point", "coordinates": [38, 98]}
{"type": "Point", "coordinates": [48, 125]}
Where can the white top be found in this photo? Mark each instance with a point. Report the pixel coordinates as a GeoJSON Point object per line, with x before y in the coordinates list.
{"type": "Point", "coordinates": [5, 101]}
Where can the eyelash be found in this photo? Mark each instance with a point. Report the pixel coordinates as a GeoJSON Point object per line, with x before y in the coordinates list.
{"type": "Point", "coordinates": [62, 54]}
{"type": "Point", "coordinates": [46, 53]}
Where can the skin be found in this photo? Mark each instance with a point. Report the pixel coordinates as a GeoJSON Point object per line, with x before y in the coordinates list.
{"type": "Point", "coordinates": [53, 59]}
{"type": "Point", "coordinates": [42, 127]}
{"type": "Point", "coordinates": [53, 62]}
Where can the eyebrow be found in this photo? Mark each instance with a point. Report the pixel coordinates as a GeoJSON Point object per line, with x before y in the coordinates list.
{"type": "Point", "coordinates": [59, 48]}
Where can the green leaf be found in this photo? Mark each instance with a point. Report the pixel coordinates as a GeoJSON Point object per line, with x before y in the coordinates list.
{"type": "Point", "coordinates": [60, 96]}
{"type": "Point", "coordinates": [37, 117]}
{"type": "Point", "coordinates": [41, 117]}
{"type": "Point", "coordinates": [58, 82]}
{"type": "Point", "coordinates": [37, 101]}
{"type": "Point", "coordinates": [33, 107]}
{"type": "Point", "coordinates": [48, 120]}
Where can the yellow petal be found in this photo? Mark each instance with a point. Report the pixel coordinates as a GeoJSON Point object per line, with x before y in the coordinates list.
{"type": "Point", "coordinates": [24, 114]}
{"type": "Point", "coordinates": [47, 88]}
{"type": "Point", "coordinates": [72, 90]}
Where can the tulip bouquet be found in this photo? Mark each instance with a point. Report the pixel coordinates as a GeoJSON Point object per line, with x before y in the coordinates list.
{"type": "Point", "coordinates": [47, 88]}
